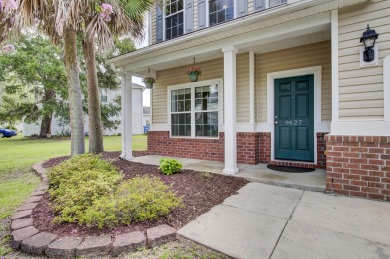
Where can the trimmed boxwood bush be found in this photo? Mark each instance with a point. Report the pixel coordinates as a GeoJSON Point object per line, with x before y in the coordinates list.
{"type": "Point", "coordinates": [91, 191]}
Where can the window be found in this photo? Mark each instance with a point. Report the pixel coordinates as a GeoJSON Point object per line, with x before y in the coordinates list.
{"type": "Point", "coordinates": [220, 11]}
{"type": "Point", "coordinates": [103, 95]}
{"type": "Point", "coordinates": [194, 111]}
{"type": "Point", "coordinates": [173, 19]}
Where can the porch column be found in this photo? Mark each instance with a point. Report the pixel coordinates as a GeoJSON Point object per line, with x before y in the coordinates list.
{"type": "Point", "coordinates": [230, 110]}
{"type": "Point", "coordinates": [252, 89]}
{"type": "Point", "coordinates": [127, 116]}
{"type": "Point", "coordinates": [335, 65]}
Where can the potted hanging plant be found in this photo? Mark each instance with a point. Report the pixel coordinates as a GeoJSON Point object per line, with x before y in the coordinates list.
{"type": "Point", "coordinates": [194, 73]}
{"type": "Point", "coordinates": [149, 81]}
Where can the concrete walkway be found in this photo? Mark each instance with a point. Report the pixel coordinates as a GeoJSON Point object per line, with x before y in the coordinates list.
{"type": "Point", "coordinates": [265, 221]}
{"type": "Point", "coordinates": [313, 181]}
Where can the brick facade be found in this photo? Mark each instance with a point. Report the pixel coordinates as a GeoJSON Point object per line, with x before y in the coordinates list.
{"type": "Point", "coordinates": [358, 166]}
{"type": "Point", "coordinates": [160, 143]}
{"type": "Point", "coordinates": [252, 148]}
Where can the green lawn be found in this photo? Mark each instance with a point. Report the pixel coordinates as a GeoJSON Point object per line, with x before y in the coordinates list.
{"type": "Point", "coordinates": [17, 154]}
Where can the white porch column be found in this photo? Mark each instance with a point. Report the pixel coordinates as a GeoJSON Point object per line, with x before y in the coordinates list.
{"type": "Point", "coordinates": [123, 113]}
{"type": "Point", "coordinates": [252, 89]}
{"type": "Point", "coordinates": [335, 65]}
{"type": "Point", "coordinates": [230, 110]}
{"type": "Point", "coordinates": [127, 116]}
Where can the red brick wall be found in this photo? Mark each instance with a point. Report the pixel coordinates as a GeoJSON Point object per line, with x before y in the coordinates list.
{"type": "Point", "coordinates": [159, 143]}
{"type": "Point", "coordinates": [252, 148]}
{"type": "Point", "coordinates": [321, 147]}
{"type": "Point", "coordinates": [248, 151]}
{"type": "Point", "coordinates": [265, 147]}
{"type": "Point", "coordinates": [358, 166]}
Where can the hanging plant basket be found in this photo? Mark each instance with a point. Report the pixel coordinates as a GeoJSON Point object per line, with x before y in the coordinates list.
{"type": "Point", "coordinates": [149, 81]}
{"type": "Point", "coordinates": [194, 73]}
{"type": "Point", "coordinates": [194, 77]}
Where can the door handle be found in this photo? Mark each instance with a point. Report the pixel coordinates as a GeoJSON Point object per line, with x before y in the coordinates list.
{"type": "Point", "coordinates": [276, 122]}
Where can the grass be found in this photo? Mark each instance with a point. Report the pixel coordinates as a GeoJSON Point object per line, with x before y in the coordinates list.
{"type": "Point", "coordinates": [17, 154]}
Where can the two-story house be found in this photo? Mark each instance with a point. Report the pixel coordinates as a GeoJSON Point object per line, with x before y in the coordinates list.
{"type": "Point", "coordinates": [282, 82]}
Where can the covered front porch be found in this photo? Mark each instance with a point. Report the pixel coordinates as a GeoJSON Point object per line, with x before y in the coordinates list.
{"type": "Point", "coordinates": [312, 181]}
{"type": "Point", "coordinates": [241, 60]}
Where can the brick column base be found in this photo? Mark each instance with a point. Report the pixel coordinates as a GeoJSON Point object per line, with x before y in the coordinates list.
{"type": "Point", "coordinates": [358, 166]}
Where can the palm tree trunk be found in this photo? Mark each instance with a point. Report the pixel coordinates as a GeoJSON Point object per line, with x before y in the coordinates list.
{"type": "Point", "coordinates": [74, 92]}
{"type": "Point", "coordinates": [46, 120]}
{"type": "Point", "coordinates": [94, 115]}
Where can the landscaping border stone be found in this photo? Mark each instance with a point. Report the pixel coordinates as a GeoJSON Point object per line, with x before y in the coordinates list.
{"type": "Point", "coordinates": [30, 240]}
{"type": "Point", "coordinates": [63, 247]}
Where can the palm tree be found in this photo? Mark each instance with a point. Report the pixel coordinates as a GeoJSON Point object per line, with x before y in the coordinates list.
{"type": "Point", "coordinates": [131, 22]}
{"type": "Point", "coordinates": [63, 19]}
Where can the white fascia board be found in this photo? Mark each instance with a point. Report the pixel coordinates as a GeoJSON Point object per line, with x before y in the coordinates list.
{"type": "Point", "coordinates": [236, 23]}
{"type": "Point", "coordinates": [292, 29]}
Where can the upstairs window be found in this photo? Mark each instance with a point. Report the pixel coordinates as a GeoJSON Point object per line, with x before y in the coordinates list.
{"type": "Point", "coordinates": [220, 11]}
{"type": "Point", "coordinates": [173, 19]}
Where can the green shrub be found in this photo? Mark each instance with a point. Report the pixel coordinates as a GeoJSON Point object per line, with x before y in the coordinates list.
{"type": "Point", "coordinates": [170, 166]}
{"type": "Point", "coordinates": [78, 182]}
{"type": "Point", "coordinates": [73, 197]}
{"type": "Point", "coordinates": [138, 199]}
{"type": "Point", "coordinates": [90, 191]}
{"type": "Point", "coordinates": [79, 163]}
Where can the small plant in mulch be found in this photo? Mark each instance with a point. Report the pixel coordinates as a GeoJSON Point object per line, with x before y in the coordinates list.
{"type": "Point", "coordinates": [90, 191]}
{"type": "Point", "coordinates": [170, 166]}
{"type": "Point", "coordinates": [207, 175]}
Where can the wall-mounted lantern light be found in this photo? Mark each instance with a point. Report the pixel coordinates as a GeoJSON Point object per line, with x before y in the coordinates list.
{"type": "Point", "coordinates": [369, 37]}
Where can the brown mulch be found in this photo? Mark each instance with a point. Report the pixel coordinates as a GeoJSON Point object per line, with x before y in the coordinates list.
{"type": "Point", "coordinates": [200, 193]}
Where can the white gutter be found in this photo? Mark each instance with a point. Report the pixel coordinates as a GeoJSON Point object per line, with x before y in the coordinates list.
{"type": "Point", "coordinates": [236, 23]}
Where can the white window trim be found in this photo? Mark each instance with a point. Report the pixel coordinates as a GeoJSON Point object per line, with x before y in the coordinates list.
{"type": "Point", "coordinates": [208, 13]}
{"type": "Point", "coordinates": [192, 85]}
{"type": "Point", "coordinates": [317, 72]}
{"type": "Point", "coordinates": [165, 16]}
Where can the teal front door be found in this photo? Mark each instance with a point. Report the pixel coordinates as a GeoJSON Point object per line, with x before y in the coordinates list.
{"type": "Point", "coordinates": [294, 118]}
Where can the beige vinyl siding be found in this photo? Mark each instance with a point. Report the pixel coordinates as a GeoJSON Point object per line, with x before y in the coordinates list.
{"type": "Point", "coordinates": [250, 6]}
{"type": "Point", "coordinates": [318, 54]}
{"type": "Point", "coordinates": [243, 88]}
{"type": "Point", "coordinates": [361, 89]}
{"type": "Point", "coordinates": [212, 69]}
{"type": "Point", "coordinates": [195, 15]}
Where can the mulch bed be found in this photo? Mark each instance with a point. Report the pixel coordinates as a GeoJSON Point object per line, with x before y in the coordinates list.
{"type": "Point", "coordinates": [200, 193]}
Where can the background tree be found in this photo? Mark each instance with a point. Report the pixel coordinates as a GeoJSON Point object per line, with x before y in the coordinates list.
{"type": "Point", "coordinates": [37, 62]}
{"type": "Point", "coordinates": [36, 73]}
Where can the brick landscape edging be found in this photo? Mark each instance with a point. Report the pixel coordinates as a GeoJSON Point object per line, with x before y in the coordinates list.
{"type": "Point", "coordinates": [30, 240]}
